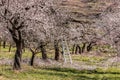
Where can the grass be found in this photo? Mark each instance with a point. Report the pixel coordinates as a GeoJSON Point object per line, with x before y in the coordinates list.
{"type": "Point", "coordinates": [30, 73]}
{"type": "Point", "coordinates": [90, 60]}
{"type": "Point", "coordinates": [26, 54]}
{"type": "Point", "coordinates": [57, 73]}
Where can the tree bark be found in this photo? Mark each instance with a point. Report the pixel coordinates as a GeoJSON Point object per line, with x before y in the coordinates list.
{"type": "Point", "coordinates": [18, 54]}
{"type": "Point", "coordinates": [56, 47]}
{"type": "Point", "coordinates": [23, 45]}
{"type": "Point", "coordinates": [10, 48]}
{"type": "Point", "coordinates": [78, 49]}
{"type": "Point", "coordinates": [83, 47]}
{"type": "Point", "coordinates": [0, 46]}
{"type": "Point", "coordinates": [17, 58]}
{"type": "Point", "coordinates": [4, 44]}
{"type": "Point", "coordinates": [73, 49]}
{"type": "Point", "coordinates": [89, 47]}
{"type": "Point", "coordinates": [33, 56]}
{"type": "Point", "coordinates": [32, 59]}
{"type": "Point", "coordinates": [43, 50]}
{"type": "Point", "coordinates": [16, 34]}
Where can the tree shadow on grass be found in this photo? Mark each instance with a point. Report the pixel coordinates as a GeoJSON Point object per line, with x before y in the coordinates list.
{"type": "Point", "coordinates": [72, 76]}
{"type": "Point", "coordinates": [63, 75]}
{"type": "Point", "coordinates": [45, 72]}
{"type": "Point", "coordinates": [66, 73]}
{"type": "Point", "coordinates": [86, 73]}
{"type": "Point", "coordinates": [80, 71]}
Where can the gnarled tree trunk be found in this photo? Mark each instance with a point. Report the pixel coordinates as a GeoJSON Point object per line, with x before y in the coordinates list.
{"type": "Point", "coordinates": [4, 44]}
{"type": "Point", "coordinates": [89, 47]}
{"type": "Point", "coordinates": [17, 37]}
{"type": "Point", "coordinates": [33, 56]}
{"type": "Point", "coordinates": [73, 49]}
{"type": "Point", "coordinates": [10, 48]}
{"type": "Point", "coordinates": [18, 55]}
{"type": "Point", "coordinates": [56, 47]}
{"type": "Point", "coordinates": [16, 24]}
{"type": "Point", "coordinates": [0, 46]}
{"type": "Point", "coordinates": [83, 47]}
{"type": "Point", "coordinates": [43, 50]}
{"type": "Point", "coordinates": [32, 59]}
{"type": "Point", "coordinates": [78, 49]}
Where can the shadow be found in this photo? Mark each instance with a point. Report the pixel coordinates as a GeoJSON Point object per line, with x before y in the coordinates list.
{"type": "Point", "coordinates": [84, 78]}
{"type": "Point", "coordinates": [0, 74]}
{"type": "Point", "coordinates": [62, 75]}
{"type": "Point", "coordinates": [74, 71]}
{"type": "Point", "coordinates": [96, 78]}
{"type": "Point", "coordinates": [47, 73]}
{"type": "Point", "coordinates": [66, 73]}
{"type": "Point", "coordinates": [73, 76]}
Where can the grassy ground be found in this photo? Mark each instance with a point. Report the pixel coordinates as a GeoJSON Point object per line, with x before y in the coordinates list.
{"type": "Point", "coordinates": [57, 73]}
{"type": "Point", "coordinates": [30, 73]}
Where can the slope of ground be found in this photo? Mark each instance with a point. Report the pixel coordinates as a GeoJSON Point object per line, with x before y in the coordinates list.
{"type": "Point", "coordinates": [86, 10]}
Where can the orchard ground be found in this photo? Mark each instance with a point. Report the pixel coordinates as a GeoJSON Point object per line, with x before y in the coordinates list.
{"type": "Point", "coordinates": [87, 66]}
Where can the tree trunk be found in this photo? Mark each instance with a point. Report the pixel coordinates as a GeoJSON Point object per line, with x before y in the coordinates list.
{"type": "Point", "coordinates": [23, 45]}
{"type": "Point", "coordinates": [33, 56]}
{"type": "Point", "coordinates": [83, 47]}
{"type": "Point", "coordinates": [32, 59]}
{"type": "Point", "coordinates": [73, 49]}
{"type": "Point", "coordinates": [18, 53]}
{"type": "Point", "coordinates": [16, 34]}
{"type": "Point", "coordinates": [10, 48]}
{"type": "Point", "coordinates": [89, 47]}
{"type": "Point", "coordinates": [56, 47]}
{"type": "Point", "coordinates": [17, 58]}
{"type": "Point", "coordinates": [4, 44]}
{"type": "Point", "coordinates": [78, 49]}
{"type": "Point", "coordinates": [43, 50]}
{"type": "Point", "coordinates": [0, 46]}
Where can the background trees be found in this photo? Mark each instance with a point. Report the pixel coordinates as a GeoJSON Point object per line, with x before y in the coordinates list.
{"type": "Point", "coordinates": [30, 22]}
{"type": "Point", "coordinates": [34, 24]}
{"type": "Point", "coordinates": [109, 22]}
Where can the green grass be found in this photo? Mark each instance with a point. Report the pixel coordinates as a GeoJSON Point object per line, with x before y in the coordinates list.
{"type": "Point", "coordinates": [30, 73]}
{"type": "Point", "coordinates": [5, 54]}
{"type": "Point", "coordinates": [57, 73]}
{"type": "Point", "coordinates": [90, 60]}
{"type": "Point", "coordinates": [27, 54]}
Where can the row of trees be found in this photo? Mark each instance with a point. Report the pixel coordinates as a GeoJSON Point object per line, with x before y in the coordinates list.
{"type": "Point", "coordinates": [34, 24]}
